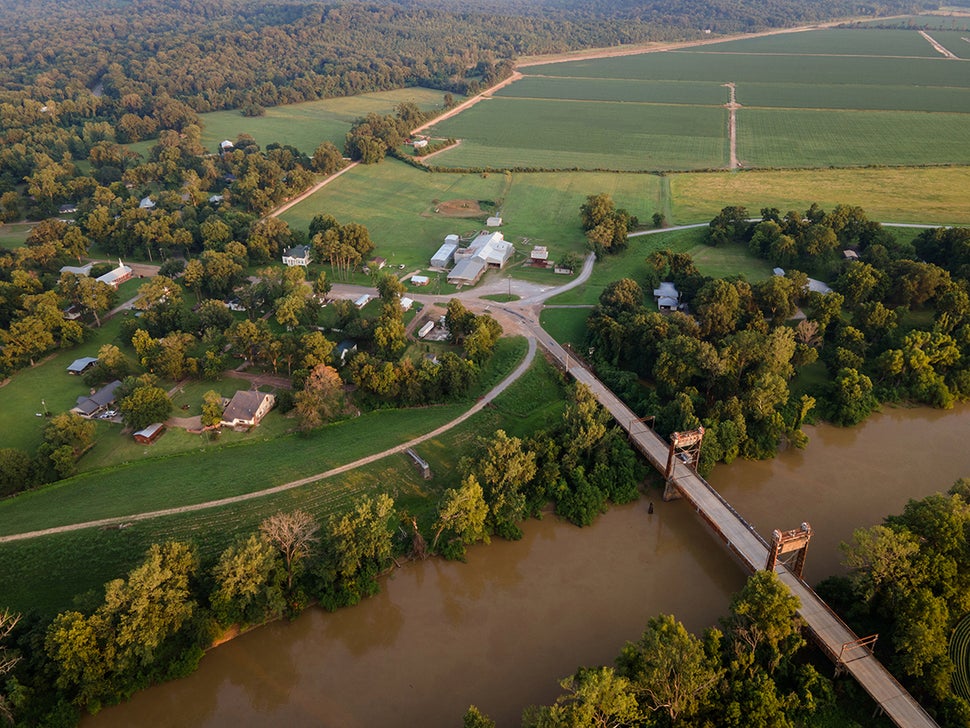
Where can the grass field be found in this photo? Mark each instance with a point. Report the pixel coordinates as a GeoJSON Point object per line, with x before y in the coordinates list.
{"type": "Point", "coordinates": [206, 473]}
{"type": "Point", "coordinates": [39, 574]}
{"type": "Point", "coordinates": [563, 134]}
{"type": "Point", "coordinates": [631, 263]}
{"type": "Point", "coordinates": [305, 126]}
{"type": "Point", "coordinates": [653, 92]}
{"type": "Point", "coordinates": [953, 40]}
{"type": "Point", "coordinates": [13, 235]}
{"type": "Point", "coordinates": [921, 195]}
{"type": "Point", "coordinates": [396, 203]}
{"type": "Point", "coordinates": [808, 138]}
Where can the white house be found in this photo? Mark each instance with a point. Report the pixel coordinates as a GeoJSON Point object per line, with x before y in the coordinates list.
{"type": "Point", "coordinates": [298, 255]}
{"type": "Point", "coordinates": [146, 203]}
{"type": "Point", "coordinates": [406, 303]}
{"type": "Point", "coordinates": [247, 408]}
{"type": "Point", "coordinates": [420, 143]}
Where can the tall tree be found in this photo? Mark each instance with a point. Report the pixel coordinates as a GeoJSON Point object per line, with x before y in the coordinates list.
{"type": "Point", "coordinates": [293, 534]}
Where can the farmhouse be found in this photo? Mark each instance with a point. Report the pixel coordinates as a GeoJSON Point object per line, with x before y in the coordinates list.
{"type": "Point", "coordinates": [71, 313]}
{"type": "Point", "coordinates": [116, 277]}
{"type": "Point", "coordinates": [668, 297]}
{"type": "Point", "coordinates": [406, 303]}
{"type": "Point", "coordinates": [151, 433]}
{"type": "Point", "coordinates": [79, 366]}
{"type": "Point", "coordinates": [247, 408]}
{"type": "Point", "coordinates": [97, 402]}
{"type": "Point", "coordinates": [297, 255]}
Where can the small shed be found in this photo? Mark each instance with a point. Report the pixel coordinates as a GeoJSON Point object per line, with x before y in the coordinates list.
{"type": "Point", "coordinates": [425, 329]}
{"type": "Point", "coordinates": [539, 255]}
{"type": "Point", "coordinates": [79, 366]}
{"type": "Point", "coordinates": [420, 280]}
{"type": "Point", "coordinates": [377, 262]}
{"type": "Point", "coordinates": [778, 271]}
{"type": "Point", "coordinates": [346, 348]}
{"type": "Point", "coordinates": [151, 433]}
{"type": "Point", "coordinates": [362, 300]}
{"type": "Point", "coordinates": [850, 254]}
{"type": "Point", "coordinates": [493, 222]}
{"type": "Point", "coordinates": [421, 463]}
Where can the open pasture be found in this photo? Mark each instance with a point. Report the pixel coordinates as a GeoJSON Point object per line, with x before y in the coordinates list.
{"type": "Point", "coordinates": [14, 234]}
{"type": "Point", "coordinates": [508, 132]}
{"type": "Point", "coordinates": [921, 195]}
{"type": "Point", "coordinates": [812, 138]}
{"type": "Point", "coordinates": [396, 203]}
{"type": "Point", "coordinates": [833, 41]}
{"type": "Point", "coordinates": [306, 125]}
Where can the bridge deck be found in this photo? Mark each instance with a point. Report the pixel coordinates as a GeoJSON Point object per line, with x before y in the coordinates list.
{"type": "Point", "coordinates": [826, 626]}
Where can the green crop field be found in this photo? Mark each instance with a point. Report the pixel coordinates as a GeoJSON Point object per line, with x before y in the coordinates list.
{"type": "Point", "coordinates": [960, 655]}
{"type": "Point", "coordinates": [834, 41]}
{"type": "Point", "coordinates": [954, 41]}
{"type": "Point", "coordinates": [565, 134]}
{"type": "Point", "coordinates": [809, 138]}
{"type": "Point", "coordinates": [654, 92]}
{"type": "Point", "coordinates": [46, 573]}
{"type": "Point", "coordinates": [853, 96]}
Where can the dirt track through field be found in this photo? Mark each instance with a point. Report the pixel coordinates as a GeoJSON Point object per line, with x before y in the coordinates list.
{"type": "Point", "coordinates": [732, 107]}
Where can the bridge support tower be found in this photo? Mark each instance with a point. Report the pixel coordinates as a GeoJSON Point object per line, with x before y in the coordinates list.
{"type": "Point", "coordinates": [790, 548]}
{"type": "Point", "coordinates": [686, 447]}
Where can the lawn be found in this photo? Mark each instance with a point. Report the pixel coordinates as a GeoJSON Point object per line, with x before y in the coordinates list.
{"type": "Point", "coordinates": [914, 195]}
{"type": "Point", "coordinates": [811, 138]}
{"type": "Point", "coordinates": [566, 325]}
{"type": "Point", "coordinates": [14, 234]}
{"type": "Point", "coordinates": [46, 573]}
{"type": "Point", "coordinates": [567, 134]}
{"type": "Point", "coordinates": [209, 472]}
{"type": "Point", "coordinates": [716, 262]}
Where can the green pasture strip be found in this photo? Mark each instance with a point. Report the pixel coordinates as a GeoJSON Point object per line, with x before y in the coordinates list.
{"type": "Point", "coordinates": [45, 574]}
{"type": "Point", "coordinates": [628, 90]}
{"type": "Point", "coordinates": [803, 138]}
{"type": "Point", "coordinates": [832, 41]}
{"type": "Point", "coordinates": [14, 234]}
{"type": "Point", "coordinates": [631, 263]}
{"type": "Point", "coordinates": [853, 96]}
{"type": "Point", "coordinates": [912, 195]}
{"type": "Point", "coordinates": [566, 325]}
{"type": "Point", "coordinates": [506, 132]}
{"type": "Point", "coordinates": [690, 65]}
{"type": "Point", "coordinates": [953, 40]}
{"type": "Point", "coordinates": [21, 395]}
{"type": "Point", "coordinates": [960, 655]}
{"type": "Point", "coordinates": [306, 125]}
{"type": "Point", "coordinates": [211, 473]}
{"type": "Point", "coordinates": [396, 203]}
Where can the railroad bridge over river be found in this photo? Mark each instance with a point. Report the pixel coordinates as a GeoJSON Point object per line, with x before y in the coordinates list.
{"type": "Point", "coordinates": [837, 640]}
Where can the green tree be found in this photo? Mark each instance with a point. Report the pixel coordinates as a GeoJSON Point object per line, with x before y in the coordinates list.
{"type": "Point", "coordinates": [15, 471]}
{"type": "Point", "coordinates": [8, 659]}
{"type": "Point", "coordinates": [763, 626]}
{"type": "Point", "coordinates": [144, 406]}
{"type": "Point", "coordinates": [321, 399]}
{"type": "Point", "coordinates": [474, 718]}
{"type": "Point", "coordinates": [249, 581]}
{"type": "Point", "coordinates": [211, 409]}
{"type": "Point", "coordinates": [595, 697]}
{"type": "Point", "coordinates": [327, 159]}
{"type": "Point", "coordinates": [851, 399]}
{"type": "Point", "coordinates": [72, 430]}
{"type": "Point", "coordinates": [669, 668]}
{"type": "Point", "coordinates": [462, 515]}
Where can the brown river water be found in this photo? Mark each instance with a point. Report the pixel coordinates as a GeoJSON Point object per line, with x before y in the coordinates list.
{"type": "Point", "coordinates": [502, 629]}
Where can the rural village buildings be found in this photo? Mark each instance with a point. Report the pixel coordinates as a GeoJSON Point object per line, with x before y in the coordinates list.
{"type": "Point", "coordinates": [487, 250]}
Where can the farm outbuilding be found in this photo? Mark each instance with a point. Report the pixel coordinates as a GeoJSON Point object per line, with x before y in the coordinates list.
{"type": "Point", "coordinates": [445, 254]}
{"type": "Point", "coordinates": [362, 300]}
{"type": "Point", "coordinates": [79, 366]}
{"type": "Point", "coordinates": [420, 280]}
{"type": "Point", "coordinates": [425, 329]}
{"type": "Point", "coordinates": [149, 434]}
